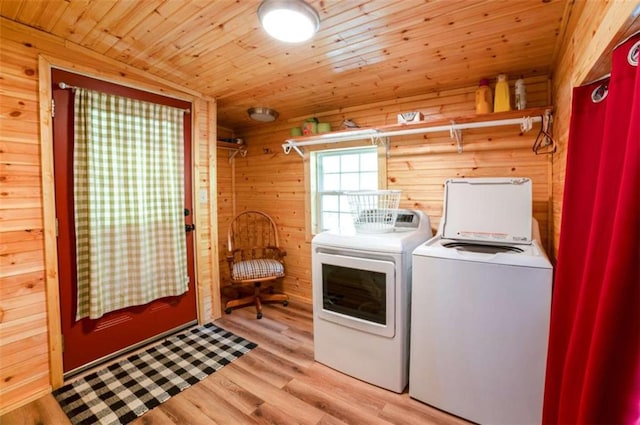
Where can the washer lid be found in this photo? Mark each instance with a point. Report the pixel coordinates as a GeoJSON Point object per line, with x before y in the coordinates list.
{"type": "Point", "coordinates": [490, 210]}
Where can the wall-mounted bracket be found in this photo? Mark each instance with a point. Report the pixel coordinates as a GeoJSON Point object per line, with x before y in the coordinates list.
{"type": "Point", "coordinates": [382, 141]}
{"type": "Point", "coordinates": [286, 147]}
{"type": "Point", "coordinates": [526, 124]}
{"type": "Point", "coordinates": [456, 133]}
{"type": "Point", "coordinates": [241, 151]}
{"type": "Point", "coordinates": [234, 149]}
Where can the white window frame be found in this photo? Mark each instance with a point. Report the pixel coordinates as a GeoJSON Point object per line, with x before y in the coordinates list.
{"type": "Point", "coordinates": [311, 183]}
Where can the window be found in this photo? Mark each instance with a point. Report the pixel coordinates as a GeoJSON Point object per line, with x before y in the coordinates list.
{"type": "Point", "coordinates": [334, 172]}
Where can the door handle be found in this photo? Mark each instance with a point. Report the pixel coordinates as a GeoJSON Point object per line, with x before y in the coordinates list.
{"type": "Point", "coordinates": [189, 228]}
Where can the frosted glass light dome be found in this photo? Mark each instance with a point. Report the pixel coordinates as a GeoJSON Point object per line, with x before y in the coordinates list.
{"type": "Point", "coordinates": [291, 21]}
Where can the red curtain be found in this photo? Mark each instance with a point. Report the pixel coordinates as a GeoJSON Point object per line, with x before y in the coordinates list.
{"type": "Point", "coordinates": [593, 373]}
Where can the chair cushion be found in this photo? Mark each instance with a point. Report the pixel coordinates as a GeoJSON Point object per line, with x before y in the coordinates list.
{"type": "Point", "coordinates": [257, 269]}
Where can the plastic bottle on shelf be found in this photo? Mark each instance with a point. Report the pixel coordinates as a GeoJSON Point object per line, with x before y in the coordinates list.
{"type": "Point", "coordinates": [501, 101]}
{"type": "Point", "coordinates": [521, 95]}
{"type": "Point", "coordinates": [484, 98]}
{"type": "Point", "coordinates": [310, 126]}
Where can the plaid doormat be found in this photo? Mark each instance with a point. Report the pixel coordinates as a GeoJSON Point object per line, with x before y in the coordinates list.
{"type": "Point", "coordinates": [126, 390]}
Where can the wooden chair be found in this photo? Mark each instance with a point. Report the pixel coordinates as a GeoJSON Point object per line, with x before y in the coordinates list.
{"type": "Point", "coordinates": [254, 257]}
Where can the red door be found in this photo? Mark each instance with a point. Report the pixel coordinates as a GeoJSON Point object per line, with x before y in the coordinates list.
{"type": "Point", "coordinates": [88, 340]}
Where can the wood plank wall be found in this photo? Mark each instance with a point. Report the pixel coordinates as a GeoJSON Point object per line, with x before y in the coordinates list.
{"type": "Point", "coordinates": [205, 205]}
{"type": "Point", "coordinates": [269, 180]}
{"type": "Point", "coordinates": [25, 372]}
{"type": "Point", "coordinates": [226, 200]}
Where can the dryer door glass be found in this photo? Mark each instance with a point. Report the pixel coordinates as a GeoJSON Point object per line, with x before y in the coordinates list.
{"type": "Point", "coordinates": [354, 292]}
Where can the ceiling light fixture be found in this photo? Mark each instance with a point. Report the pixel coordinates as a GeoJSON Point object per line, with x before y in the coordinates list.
{"type": "Point", "coordinates": [263, 114]}
{"type": "Point", "coordinates": [291, 21]}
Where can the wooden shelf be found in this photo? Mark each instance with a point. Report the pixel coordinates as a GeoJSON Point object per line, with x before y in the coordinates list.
{"type": "Point", "coordinates": [474, 118]}
{"type": "Point", "coordinates": [454, 125]}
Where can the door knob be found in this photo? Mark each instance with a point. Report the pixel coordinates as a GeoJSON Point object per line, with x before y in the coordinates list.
{"type": "Point", "coordinates": [189, 227]}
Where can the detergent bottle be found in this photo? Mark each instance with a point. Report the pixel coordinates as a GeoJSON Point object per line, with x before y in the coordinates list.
{"type": "Point", "coordinates": [502, 102]}
{"type": "Point", "coordinates": [484, 98]}
{"type": "Point", "coordinates": [521, 95]}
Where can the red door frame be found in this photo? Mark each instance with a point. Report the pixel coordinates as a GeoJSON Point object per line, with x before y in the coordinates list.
{"type": "Point", "coordinates": [88, 340]}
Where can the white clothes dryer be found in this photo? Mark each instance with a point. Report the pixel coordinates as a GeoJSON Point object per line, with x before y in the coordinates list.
{"type": "Point", "coordinates": [481, 305]}
{"type": "Point", "coordinates": [361, 292]}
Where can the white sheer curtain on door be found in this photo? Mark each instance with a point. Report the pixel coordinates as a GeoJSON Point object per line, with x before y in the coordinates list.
{"type": "Point", "coordinates": [128, 202]}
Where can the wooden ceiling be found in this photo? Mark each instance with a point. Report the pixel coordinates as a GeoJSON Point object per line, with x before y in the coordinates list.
{"type": "Point", "coordinates": [366, 50]}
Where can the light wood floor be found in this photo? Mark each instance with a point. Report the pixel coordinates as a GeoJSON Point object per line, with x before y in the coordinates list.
{"type": "Point", "coordinates": [276, 383]}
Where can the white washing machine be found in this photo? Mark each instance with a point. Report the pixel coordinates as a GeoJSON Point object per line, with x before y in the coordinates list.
{"type": "Point", "coordinates": [480, 306]}
{"type": "Point", "coordinates": [361, 293]}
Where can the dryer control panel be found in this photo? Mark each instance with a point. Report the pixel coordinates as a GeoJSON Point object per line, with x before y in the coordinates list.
{"type": "Point", "coordinates": [410, 219]}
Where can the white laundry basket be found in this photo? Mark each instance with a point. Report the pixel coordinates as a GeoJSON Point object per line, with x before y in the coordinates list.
{"type": "Point", "coordinates": [374, 211]}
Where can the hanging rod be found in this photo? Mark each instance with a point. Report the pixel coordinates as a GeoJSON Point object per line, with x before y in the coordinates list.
{"type": "Point", "coordinates": [454, 129]}
{"type": "Point", "coordinates": [65, 86]}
